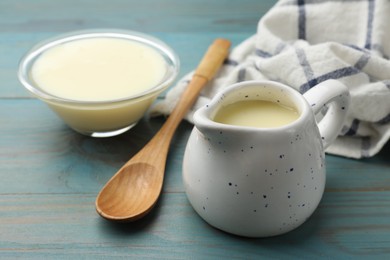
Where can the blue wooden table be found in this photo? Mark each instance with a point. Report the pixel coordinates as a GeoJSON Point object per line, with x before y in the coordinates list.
{"type": "Point", "coordinates": [50, 175]}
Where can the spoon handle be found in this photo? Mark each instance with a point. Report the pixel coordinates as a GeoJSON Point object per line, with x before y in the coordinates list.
{"type": "Point", "coordinates": [213, 59]}
{"type": "Point", "coordinates": [206, 70]}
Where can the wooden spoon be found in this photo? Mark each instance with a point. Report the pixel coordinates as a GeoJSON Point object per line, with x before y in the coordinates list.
{"type": "Point", "coordinates": [133, 191]}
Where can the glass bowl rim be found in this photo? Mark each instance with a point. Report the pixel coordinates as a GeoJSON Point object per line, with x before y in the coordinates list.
{"type": "Point", "coordinates": [27, 61]}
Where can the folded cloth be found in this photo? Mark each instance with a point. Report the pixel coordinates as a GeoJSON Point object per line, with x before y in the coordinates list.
{"type": "Point", "coordinates": [304, 42]}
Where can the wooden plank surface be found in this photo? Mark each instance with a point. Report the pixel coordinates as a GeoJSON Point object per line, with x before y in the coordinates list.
{"type": "Point", "coordinates": [149, 15]}
{"type": "Point", "coordinates": [51, 175]}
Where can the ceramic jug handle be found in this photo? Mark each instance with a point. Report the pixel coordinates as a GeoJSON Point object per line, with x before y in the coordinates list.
{"type": "Point", "coordinates": [336, 95]}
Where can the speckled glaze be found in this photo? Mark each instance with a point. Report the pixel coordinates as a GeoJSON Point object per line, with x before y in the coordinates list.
{"type": "Point", "coordinates": [262, 182]}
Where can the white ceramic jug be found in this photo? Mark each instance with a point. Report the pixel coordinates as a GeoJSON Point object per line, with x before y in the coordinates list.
{"type": "Point", "coordinates": [260, 182]}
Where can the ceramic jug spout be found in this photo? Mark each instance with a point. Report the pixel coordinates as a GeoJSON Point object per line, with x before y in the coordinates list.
{"type": "Point", "coordinates": [219, 132]}
{"type": "Point", "coordinates": [203, 120]}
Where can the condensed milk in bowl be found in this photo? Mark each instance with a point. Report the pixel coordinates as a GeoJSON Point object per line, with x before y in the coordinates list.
{"type": "Point", "coordinates": [100, 82]}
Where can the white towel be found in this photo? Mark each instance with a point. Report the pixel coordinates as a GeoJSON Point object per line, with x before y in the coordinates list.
{"type": "Point", "coordinates": [304, 42]}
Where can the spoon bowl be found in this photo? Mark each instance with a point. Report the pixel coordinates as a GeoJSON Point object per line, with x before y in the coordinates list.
{"type": "Point", "coordinates": [144, 180]}
{"type": "Point", "coordinates": [133, 191]}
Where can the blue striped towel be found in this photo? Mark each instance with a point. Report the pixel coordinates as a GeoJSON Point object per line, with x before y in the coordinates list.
{"type": "Point", "coordinates": [304, 42]}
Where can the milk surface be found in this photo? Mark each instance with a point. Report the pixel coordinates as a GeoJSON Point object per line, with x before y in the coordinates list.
{"type": "Point", "coordinates": [98, 69]}
{"type": "Point", "coordinates": [256, 113]}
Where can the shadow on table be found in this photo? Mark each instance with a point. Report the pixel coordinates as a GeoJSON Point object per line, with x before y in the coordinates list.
{"type": "Point", "coordinates": [128, 229]}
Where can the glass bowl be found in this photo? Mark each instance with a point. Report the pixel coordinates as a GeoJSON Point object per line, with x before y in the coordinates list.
{"type": "Point", "coordinates": [100, 118]}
